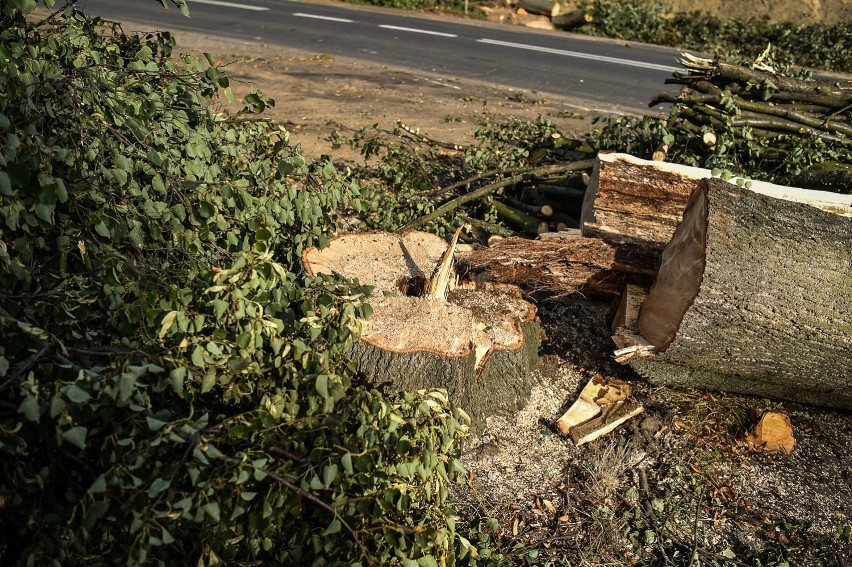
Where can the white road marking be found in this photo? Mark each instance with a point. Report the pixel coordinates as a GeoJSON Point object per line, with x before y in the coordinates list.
{"type": "Point", "coordinates": [442, 84]}
{"type": "Point", "coordinates": [415, 30]}
{"type": "Point", "coordinates": [580, 55]}
{"type": "Point", "coordinates": [228, 5]}
{"type": "Point", "coordinates": [329, 18]}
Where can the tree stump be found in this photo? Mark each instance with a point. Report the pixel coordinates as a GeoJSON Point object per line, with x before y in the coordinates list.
{"type": "Point", "coordinates": [753, 296]}
{"type": "Point", "coordinates": [479, 342]}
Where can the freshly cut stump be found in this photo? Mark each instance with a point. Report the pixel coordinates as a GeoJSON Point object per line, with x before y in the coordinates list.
{"type": "Point", "coordinates": [478, 344]}
{"type": "Point", "coordinates": [754, 295]}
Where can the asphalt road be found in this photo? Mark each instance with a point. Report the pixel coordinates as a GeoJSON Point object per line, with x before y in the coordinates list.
{"type": "Point", "coordinates": [604, 74]}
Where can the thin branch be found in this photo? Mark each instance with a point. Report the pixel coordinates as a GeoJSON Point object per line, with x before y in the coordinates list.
{"type": "Point", "coordinates": [490, 188]}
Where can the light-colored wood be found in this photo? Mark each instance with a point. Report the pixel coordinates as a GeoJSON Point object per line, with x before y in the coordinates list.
{"type": "Point", "coordinates": [438, 284]}
{"type": "Point", "coordinates": [753, 296]}
{"type": "Point", "coordinates": [562, 263]}
{"type": "Point", "coordinates": [602, 406]}
{"type": "Point", "coordinates": [479, 343]}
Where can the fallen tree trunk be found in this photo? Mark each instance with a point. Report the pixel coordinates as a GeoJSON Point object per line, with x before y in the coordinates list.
{"type": "Point", "coordinates": [570, 20]}
{"type": "Point", "coordinates": [561, 264]}
{"type": "Point", "coordinates": [753, 296]}
{"type": "Point", "coordinates": [548, 8]}
{"type": "Point", "coordinates": [428, 332]}
{"type": "Point", "coordinates": [634, 205]}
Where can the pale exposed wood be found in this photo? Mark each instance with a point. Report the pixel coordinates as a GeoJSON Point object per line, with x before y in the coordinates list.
{"type": "Point", "coordinates": [564, 264]}
{"type": "Point", "coordinates": [596, 394]}
{"type": "Point", "coordinates": [438, 285]}
{"type": "Point", "coordinates": [611, 417]}
{"type": "Point", "coordinates": [478, 343]}
{"type": "Point", "coordinates": [753, 297]}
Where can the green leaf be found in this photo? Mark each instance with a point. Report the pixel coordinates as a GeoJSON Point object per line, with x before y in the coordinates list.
{"type": "Point", "coordinates": [77, 394]}
{"type": "Point", "coordinates": [208, 382]}
{"type": "Point", "coordinates": [198, 356]}
{"type": "Point", "coordinates": [76, 436]}
{"type": "Point", "coordinates": [154, 424]}
{"type": "Point", "coordinates": [98, 486]}
{"type": "Point", "coordinates": [212, 510]}
{"type": "Point", "coordinates": [102, 229]}
{"type": "Point", "coordinates": [334, 527]}
{"type": "Point", "coordinates": [346, 461]}
{"type": "Point", "coordinates": [29, 407]}
{"type": "Point", "coordinates": [322, 385]}
{"type": "Point", "coordinates": [159, 485]}
{"type": "Point", "coordinates": [167, 323]}
{"type": "Point", "coordinates": [5, 184]}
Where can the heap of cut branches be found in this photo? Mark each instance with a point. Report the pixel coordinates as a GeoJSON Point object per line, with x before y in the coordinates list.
{"type": "Point", "coordinates": [762, 120]}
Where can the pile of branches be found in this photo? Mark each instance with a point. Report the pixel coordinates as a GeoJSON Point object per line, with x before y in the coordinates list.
{"type": "Point", "coordinates": [768, 121]}
{"type": "Point", "coordinates": [758, 120]}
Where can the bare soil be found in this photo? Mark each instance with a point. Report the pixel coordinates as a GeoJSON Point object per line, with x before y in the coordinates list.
{"type": "Point", "coordinates": [675, 482]}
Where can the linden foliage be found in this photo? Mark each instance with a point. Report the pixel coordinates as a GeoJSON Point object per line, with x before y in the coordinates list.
{"type": "Point", "coordinates": [171, 390]}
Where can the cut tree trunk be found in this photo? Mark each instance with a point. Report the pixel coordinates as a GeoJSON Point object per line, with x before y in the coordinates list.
{"type": "Point", "coordinates": [561, 264]}
{"type": "Point", "coordinates": [548, 8]}
{"type": "Point", "coordinates": [570, 20]}
{"type": "Point", "coordinates": [427, 331]}
{"type": "Point", "coordinates": [753, 296]}
{"type": "Point", "coordinates": [634, 205]}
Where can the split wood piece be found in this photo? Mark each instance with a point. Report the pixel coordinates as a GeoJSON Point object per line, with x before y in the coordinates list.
{"type": "Point", "coordinates": [753, 297]}
{"type": "Point", "coordinates": [625, 322]}
{"type": "Point", "coordinates": [438, 284]}
{"type": "Point", "coordinates": [564, 264]}
{"type": "Point", "coordinates": [635, 205]}
{"type": "Point", "coordinates": [774, 433]}
{"type": "Point", "coordinates": [611, 417]}
{"type": "Point", "coordinates": [479, 344]}
{"type": "Point", "coordinates": [602, 406]}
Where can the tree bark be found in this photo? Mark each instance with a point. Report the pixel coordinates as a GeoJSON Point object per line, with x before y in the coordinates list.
{"type": "Point", "coordinates": [547, 8]}
{"type": "Point", "coordinates": [634, 205]}
{"type": "Point", "coordinates": [753, 296]}
{"type": "Point", "coordinates": [561, 264]}
{"type": "Point", "coordinates": [478, 342]}
{"type": "Point", "coordinates": [571, 20]}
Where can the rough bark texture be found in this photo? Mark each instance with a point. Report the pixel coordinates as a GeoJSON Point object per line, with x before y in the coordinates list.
{"type": "Point", "coordinates": [562, 264]}
{"type": "Point", "coordinates": [634, 205]}
{"type": "Point", "coordinates": [503, 386]}
{"type": "Point", "coordinates": [479, 344]}
{"type": "Point", "coordinates": [772, 315]}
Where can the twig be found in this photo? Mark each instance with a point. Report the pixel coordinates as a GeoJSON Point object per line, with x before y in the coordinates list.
{"type": "Point", "coordinates": [490, 188]}
{"type": "Point", "coordinates": [431, 141]}
{"type": "Point", "coordinates": [694, 557]}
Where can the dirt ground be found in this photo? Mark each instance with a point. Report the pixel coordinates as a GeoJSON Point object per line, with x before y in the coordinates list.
{"type": "Point", "coordinates": [317, 94]}
{"type": "Point", "coordinates": [674, 483]}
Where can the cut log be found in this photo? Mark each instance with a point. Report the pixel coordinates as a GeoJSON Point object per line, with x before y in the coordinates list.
{"type": "Point", "coordinates": [479, 344]}
{"type": "Point", "coordinates": [547, 8]}
{"type": "Point", "coordinates": [564, 264]}
{"type": "Point", "coordinates": [520, 219]}
{"type": "Point", "coordinates": [753, 296]}
{"type": "Point", "coordinates": [634, 205]}
{"type": "Point", "coordinates": [570, 20]}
